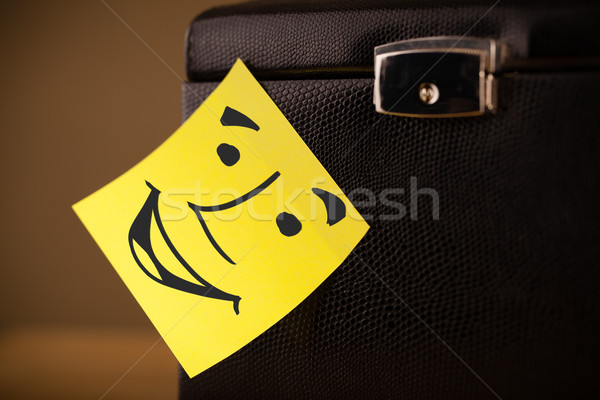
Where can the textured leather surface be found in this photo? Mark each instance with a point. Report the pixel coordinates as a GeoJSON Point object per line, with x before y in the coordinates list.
{"type": "Point", "coordinates": [336, 35]}
{"type": "Point", "coordinates": [508, 276]}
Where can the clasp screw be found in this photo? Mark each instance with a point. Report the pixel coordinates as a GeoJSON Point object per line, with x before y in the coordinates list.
{"type": "Point", "coordinates": [429, 93]}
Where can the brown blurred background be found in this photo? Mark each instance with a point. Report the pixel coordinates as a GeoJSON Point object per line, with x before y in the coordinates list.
{"type": "Point", "coordinates": [83, 100]}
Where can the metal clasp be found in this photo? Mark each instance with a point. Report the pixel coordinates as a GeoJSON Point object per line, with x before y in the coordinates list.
{"type": "Point", "coordinates": [440, 76]}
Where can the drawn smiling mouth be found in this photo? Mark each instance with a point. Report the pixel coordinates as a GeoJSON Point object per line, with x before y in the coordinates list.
{"type": "Point", "coordinates": [140, 233]}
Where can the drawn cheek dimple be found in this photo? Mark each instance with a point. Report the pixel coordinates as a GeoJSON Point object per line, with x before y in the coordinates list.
{"type": "Point", "coordinates": [228, 154]}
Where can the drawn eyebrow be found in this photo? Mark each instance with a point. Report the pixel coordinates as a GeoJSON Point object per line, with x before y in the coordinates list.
{"type": "Point", "coordinates": [233, 117]}
{"type": "Point", "coordinates": [336, 209]}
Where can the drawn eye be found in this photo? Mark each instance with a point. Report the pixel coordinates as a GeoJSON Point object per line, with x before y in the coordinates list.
{"type": "Point", "coordinates": [228, 154]}
{"type": "Point", "coordinates": [288, 224]}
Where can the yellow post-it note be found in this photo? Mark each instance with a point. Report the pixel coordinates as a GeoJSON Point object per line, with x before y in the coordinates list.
{"type": "Point", "coordinates": [226, 227]}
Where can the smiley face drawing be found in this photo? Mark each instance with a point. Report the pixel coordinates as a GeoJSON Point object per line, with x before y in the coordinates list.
{"type": "Point", "coordinates": [232, 211]}
{"type": "Point", "coordinates": [288, 224]}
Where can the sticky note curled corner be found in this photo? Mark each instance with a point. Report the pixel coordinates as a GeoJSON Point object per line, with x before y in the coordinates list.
{"type": "Point", "coordinates": [226, 227]}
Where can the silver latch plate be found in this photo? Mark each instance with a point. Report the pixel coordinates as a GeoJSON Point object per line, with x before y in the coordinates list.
{"type": "Point", "coordinates": [436, 77]}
